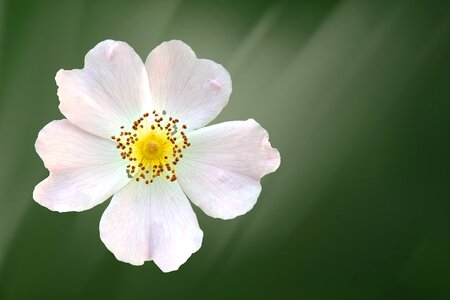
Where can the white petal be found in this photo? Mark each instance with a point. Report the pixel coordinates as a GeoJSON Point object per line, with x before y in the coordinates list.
{"type": "Point", "coordinates": [151, 222]}
{"type": "Point", "coordinates": [85, 169]}
{"type": "Point", "coordinates": [190, 89]}
{"type": "Point", "coordinates": [221, 170]}
{"type": "Point", "coordinates": [111, 91]}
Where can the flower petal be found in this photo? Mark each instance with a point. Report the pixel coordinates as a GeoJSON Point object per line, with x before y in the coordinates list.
{"type": "Point", "coordinates": [191, 89]}
{"type": "Point", "coordinates": [151, 222]}
{"type": "Point", "coordinates": [221, 171]}
{"type": "Point", "coordinates": [110, 91]}
{"type": "Point", "coordinates": [85, 170]}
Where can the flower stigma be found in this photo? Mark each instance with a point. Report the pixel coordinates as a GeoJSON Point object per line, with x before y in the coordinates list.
{"type": "Point", "coordinates": [153, 147]}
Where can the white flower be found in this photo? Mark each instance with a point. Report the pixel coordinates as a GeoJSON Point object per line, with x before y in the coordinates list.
{"type": "Point", "coordinates": [135, 132]}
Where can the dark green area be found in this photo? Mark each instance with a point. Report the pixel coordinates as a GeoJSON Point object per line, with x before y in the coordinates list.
{"type": "Point", "coordinates": [355, 95]}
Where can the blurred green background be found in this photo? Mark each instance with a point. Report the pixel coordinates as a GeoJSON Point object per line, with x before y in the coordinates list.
{"type": "Point", "coordinates": [355, 95]}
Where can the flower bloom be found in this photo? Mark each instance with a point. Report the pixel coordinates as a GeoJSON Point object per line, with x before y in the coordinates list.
{"type": "Point", "coordinates": [136, 132]}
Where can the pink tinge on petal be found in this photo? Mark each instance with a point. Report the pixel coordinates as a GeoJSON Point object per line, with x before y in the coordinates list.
{"type": "Point", "coordinates": [215, 84]}
{"type": "Point", "coordinates": [271, 155]}
{"type": "Point", "coordinates": [222, 169]}
{"type": "Point", "coordinates": [190, 89]}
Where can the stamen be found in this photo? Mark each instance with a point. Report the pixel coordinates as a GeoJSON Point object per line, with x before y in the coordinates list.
{"type": "Point", "coordinates": [153, 146]}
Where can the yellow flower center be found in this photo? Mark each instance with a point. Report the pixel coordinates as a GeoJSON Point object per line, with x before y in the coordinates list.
{"type": "Point", "coordinates": [153, 147]}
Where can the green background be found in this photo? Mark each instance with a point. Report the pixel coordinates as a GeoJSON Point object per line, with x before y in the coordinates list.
{"type": "Point", "coordinates": [355, 95]}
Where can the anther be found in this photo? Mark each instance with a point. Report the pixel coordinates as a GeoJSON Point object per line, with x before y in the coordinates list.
{"type": "Point", "coordinates": [159, 141]}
